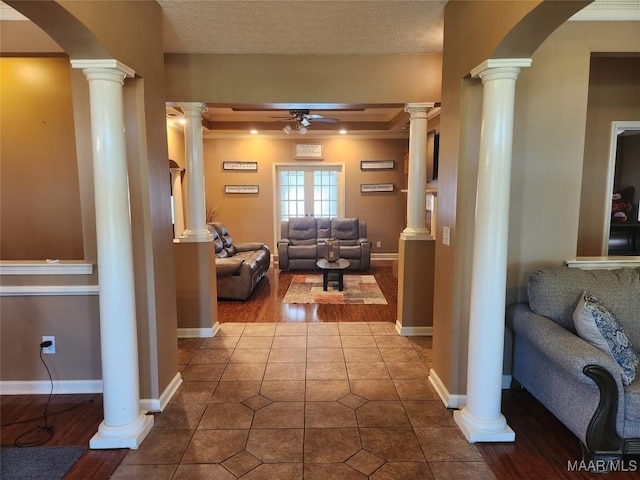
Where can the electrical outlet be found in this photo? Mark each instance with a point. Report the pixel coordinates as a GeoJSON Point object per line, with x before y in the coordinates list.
{"type": "Point", "coordinates": [446, 235]}
{"type": "Point", "coordinates": [378, 244]}
{"type": "Point", "coordinates": [51, 349]}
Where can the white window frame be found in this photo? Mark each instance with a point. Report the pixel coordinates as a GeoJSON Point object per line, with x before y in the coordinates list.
{"type": "Point", "coordinates": [339, 166]}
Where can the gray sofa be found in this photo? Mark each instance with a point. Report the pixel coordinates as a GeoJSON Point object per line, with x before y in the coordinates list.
{"type": "Point", "coordinates": [302, 239]}
{"type": "Point", "coordinates": [580, 384]}
{"type": "Point", "coordinates": [239, 266]}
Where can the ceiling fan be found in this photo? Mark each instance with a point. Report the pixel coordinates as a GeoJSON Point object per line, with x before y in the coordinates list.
{"type": "Point", "coordinates": [301, 119]}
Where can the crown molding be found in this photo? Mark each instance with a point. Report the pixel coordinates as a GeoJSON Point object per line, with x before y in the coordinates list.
{"type": "Point", "coordinates": [609, 11]}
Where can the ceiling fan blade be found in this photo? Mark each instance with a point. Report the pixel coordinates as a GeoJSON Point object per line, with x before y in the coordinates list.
{"type": "Point", "coordinates": [327, 120]}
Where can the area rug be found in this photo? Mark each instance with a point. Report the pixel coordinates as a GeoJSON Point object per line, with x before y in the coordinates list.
{"type": "Point", "coordinates": [38, 463]}
{"type": "Point", "coordinates": [358, 289]}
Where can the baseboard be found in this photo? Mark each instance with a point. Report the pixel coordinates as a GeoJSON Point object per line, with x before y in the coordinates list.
{"type": "Point", "coordinates": [449, 400]}
{"type": "Point", "coordinates": [199, 332]}
{"type": "Point", "coordinates": [384, 256]}
{"type": "Point", "coordinates": [159, 404]}
{"type": "Point", "coordinates": [506, 382]}
{"type": "Point", "coordinates": [414, 331]}
{"type": "Point", "coordinates": [38, 387]}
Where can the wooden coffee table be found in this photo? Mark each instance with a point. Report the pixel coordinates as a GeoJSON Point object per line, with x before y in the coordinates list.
{"type": "Point", "coordinates": [332, 271]}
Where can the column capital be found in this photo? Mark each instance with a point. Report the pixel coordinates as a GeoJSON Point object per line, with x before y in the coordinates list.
{"type": "Point", "coordinates": [415, 109]}
{"type": "Point", "coordinates": [176, 171]}
{"type": "Point", "coordinates": [496, 64]}
{"type": "Point", "coordinates": [103, 64]}
{"type": "Point", "coordinates": [192, 108]}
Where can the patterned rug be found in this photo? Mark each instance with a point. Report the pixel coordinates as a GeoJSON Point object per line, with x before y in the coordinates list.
{"type": "Point", "coordinates": [362, 289]}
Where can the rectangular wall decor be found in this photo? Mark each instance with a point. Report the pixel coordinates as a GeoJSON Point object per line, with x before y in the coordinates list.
{"type": "Point", "coordinates": [307, 151]}
{"type": "Point", "coordinates": [376, 187]}
{"type": "Point", "coordinates": [377, 165]}
{"type": "Point", "coordinates": [241, 189]}
{"type": "Point", "coordinates": [244, 166]}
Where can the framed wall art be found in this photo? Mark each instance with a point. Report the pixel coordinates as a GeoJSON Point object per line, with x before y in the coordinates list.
{"type": "Point", "coordinates": [377, 165]}
{"type": "Point", "coordinates": [307, 151]}
{"type": "Point", "coordinates": [241, 189]}
{"type": "Point", "coordinates": [376, 187]}
{"type": "Point", "coordinates": [242, 166]}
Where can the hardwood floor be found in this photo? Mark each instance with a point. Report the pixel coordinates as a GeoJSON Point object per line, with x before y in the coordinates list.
{"type": "Point", "coordinates": [265, 303]}
{"type": "Point", "coordinates": [542, 449]}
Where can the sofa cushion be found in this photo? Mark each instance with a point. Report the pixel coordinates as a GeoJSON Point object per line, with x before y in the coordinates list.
{"type": "Point", "coordinates": [303, 251]}
{"type": "Point", "coordinates": [228, 266]}
{"type": "Point", "coordinates": [302, 231]}
{"type": "Point", "coordinates": [554, 292]}
{"type": "Point", "coordinates": [345, 230]}
{"type": "Point", "coordinates": [598, 326]}
{"type": "Point", "coordinates": [225, 236]}
{"type": "Point", "coordinates": [323, 228]}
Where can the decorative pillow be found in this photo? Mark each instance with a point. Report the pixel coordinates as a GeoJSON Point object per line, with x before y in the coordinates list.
{"type": "Point", "coordinates": [598, 326]}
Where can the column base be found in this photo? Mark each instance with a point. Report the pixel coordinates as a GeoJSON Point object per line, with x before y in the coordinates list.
{"type": "Point", "coordinates": [130, 435]}
{"type": "Point", "coordinates": [416, 234]}
{"type": "Point", "coordinates": [194, 236]}
{"type": "Point", "coordinates": [476, 430]}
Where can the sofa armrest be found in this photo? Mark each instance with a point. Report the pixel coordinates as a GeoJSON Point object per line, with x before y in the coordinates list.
{"type": "Point", "coordinates": [564, 348]}
{"type": "Point", "coordinates": [228, 266]}
{"type": "Point", "coordinates": [360, 241]}
{"type": "Point", "coordinates": [283, 253]}
{"type": "Point", "coordinates": [579, 384]}
{"type": "Point", "coordinates": [248, 246]}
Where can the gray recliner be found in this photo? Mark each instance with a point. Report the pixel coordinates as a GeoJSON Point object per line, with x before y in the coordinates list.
{"type": "Point", "coordinates": [302, 242]}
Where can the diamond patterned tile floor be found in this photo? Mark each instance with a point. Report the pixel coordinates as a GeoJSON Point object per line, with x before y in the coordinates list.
{"type": "Point", "coordinates": [316, 402]}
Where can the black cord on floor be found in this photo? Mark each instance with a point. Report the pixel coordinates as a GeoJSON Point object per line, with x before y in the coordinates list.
{"type": "Point", "coordinates": [46, 429]}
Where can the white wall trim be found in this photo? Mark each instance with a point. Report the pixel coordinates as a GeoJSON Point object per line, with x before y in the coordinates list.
{"type": "Point", "coordinates": [45, 267]}
{"type": "Point", "coordinates": [42, 290]}
{"type": "Point", "coordinates": [506, 382]}
{"type": "Point", "coordinates": [449, 400]}
{"type": "Point", "coordinates": [34, 387]}
{"type": "Point", "coordinates": [384, 256]}
{"type": "Point", "coordinates": [199, 332]}
{"type": "Point", "coordinates": [159, 404]}
{"type": "Point", "coordinates": [589, 263]}
{"type": "Point", "coordinates": [413, 331]}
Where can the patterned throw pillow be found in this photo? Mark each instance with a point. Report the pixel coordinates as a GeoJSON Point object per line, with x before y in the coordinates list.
{"type": "Point", "coordinates": [598, 326]}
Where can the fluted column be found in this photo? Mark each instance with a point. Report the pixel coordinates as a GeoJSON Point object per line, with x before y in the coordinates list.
{"type": "Point", "coordinates": [481, 419]}
{"type": "Point", "coordinates": [417, 183]}
{"type": "Point", "coordinates": [178, 210]}
{"type": "Point", "coordinates": [124, 425]}
{"type": "Point", "coordinates": [196, 230]}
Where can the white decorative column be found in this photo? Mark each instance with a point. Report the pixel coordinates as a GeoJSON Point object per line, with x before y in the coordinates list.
{"type": "Point", "coordinates": [178, 209]}
{"type": "Point", "coordinates": [417, 183]}
{"type": "Point", "coordinates": [416, 247]}
{"type": "Point", "coordinates": [481, 419]}
{"type": "Point", "coordinates": [196, 230]}
{"type": "Point", "coordinates": [124, 425]}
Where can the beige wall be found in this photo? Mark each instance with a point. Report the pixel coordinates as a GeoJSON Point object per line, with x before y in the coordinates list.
{"type": "Point", "coordinates": [475, 31]}
{"type": "Point", "coordinates": [71, 319]}
{"type": "Point", "coordinates": [251, 217]}
{"type": "Point", "coordinates": [303, 78]}
{"type": "Point", "coordinates": [39, 197]}
{"type": "Point", "coordinates": [132, 33]}
{"type": "Point", "coordinates": [614, 95]}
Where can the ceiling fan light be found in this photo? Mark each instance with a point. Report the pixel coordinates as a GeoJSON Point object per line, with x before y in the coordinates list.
{"type": "Point", "coordinates": [342, 131]}
{"type": "Point", "coordinates": [287, 129]}
{"type": "Point", "coordinates": [303, 130]}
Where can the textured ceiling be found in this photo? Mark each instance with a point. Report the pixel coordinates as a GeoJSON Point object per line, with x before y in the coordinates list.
{"type": "Point", "coordinates": [315, 27]}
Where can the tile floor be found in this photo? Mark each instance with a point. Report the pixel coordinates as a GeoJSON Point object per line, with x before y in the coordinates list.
{"type": "Point", "coordinates": [288, 401]}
